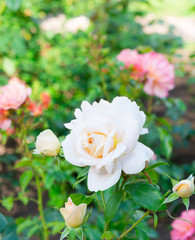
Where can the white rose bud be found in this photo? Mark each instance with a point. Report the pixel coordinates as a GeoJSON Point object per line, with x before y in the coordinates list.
{"type": "Point", "coordinates": [184, 188]}
{"type": "Point", "coordinates": [72, 214]}
{"type": "Point", "coordinates": [47, 143]}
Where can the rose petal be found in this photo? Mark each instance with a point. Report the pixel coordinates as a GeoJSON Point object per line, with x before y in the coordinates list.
{"type": "Point", "coordinates": [135, 161]}
{"type": "Point", "coordinates": [101, 179]}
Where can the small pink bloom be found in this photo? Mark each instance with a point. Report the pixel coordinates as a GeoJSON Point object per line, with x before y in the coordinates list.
{"type": "Point", "coordinates": [5, 123]}
{"type": "Point", "coordinates": [128, 57]}
{"type": "Point", "coordinates": [159, 74]}
{"type": "Point", "coordinates": [134, 59]}
{"type": "Point", "coordinates": [183, 230]}
{"type": "Point", "coordinates": [45, 100]}
{"type": "Point", "coordinates": [13, 95]}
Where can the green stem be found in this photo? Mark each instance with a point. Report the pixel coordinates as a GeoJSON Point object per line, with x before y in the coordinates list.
{"type": "Point", "coordinates": [40, 206]}
{"type": "Point", "coordinates": [149, 106]}
{"type": "Point", "coordinates": [148, 177]}
{"type": "Point", "coordinates": [103, 200]}
{"type": "Point", "coordinates": [133, 226]}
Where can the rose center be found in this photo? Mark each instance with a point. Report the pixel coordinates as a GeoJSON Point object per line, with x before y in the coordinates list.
{"type": "Point", "coordinates": [182, 187]}
{"type": "Point", "coordinates": [97, 144]}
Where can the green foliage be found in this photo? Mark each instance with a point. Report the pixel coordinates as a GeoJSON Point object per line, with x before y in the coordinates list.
{"type": "Point", "coordinates": [172, 197]}
{"type": "Point", "coordinates": [3, 222]}
{"type": "Point", "coordinates": [146, 195]}
{"type": "Point", "coordinates": [112, 205]}
{"type": "Point", "coordinates": [186, 202]}
{"type": "Point", "coordinates": [8, 202]}
{"type": "Point", "coordinates": [25, 179]}
{"type": "Point", "coordinates": [65, 233]}
{"type": "Point", "coordinates": [107, 235]}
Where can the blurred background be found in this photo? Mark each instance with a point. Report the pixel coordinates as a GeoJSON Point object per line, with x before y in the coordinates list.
{"type": "Point", "coordinates": [68, 48]}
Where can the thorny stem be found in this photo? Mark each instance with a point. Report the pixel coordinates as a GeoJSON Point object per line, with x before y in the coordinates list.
{"type": "Point", "coordinates": [133, 226]}
{"type": "Point", "coordinates": [40, 206]}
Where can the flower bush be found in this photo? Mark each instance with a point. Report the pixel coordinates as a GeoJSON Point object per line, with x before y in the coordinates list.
{"type": "Point", "coordinates": [114, 162]}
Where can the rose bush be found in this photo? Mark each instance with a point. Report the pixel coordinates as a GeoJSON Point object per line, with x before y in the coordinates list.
{"type": "Point", "coordinates": [105, 137]}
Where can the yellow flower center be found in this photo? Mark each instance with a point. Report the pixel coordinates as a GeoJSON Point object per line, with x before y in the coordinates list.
{"type": "Point", "coordinates": [97, 144]}
{"type": "Point", "coordinates": [183, 187]}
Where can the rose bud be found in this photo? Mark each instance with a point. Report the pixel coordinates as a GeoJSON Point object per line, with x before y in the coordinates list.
{"type": "Point", "coordinates": [184, 188]}
{"type": "Point", "coordinates": [47, 143]}
{"type": "Point", "coordinates": [72, 214]}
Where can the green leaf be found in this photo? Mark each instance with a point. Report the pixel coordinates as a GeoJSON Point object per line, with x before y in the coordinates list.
{"type": "Point", "coordinates": [58, 227]}
{"type": "Point", "coordinates": [108, 235]}
{"type": "Point", "coordinates": [145, 194]}
{"type": "Point", "coordinates": [87, 216]}
{"type": "Point", "coordinates": [11, 236]}
{"type": "Point", "coordinates": [172, 197]}
{"type": "Point", "coordinates": [8, 202]}
{"type": "Point", "coordinates": [13, 4]}
{"type": "Point", "coordinates": [81, 198]}
{"type": "Point", "coordinates": [24, 225]}
{"type": "Point", "coordinates": [65, 233]}
{"type": "Point", "coordinates": [3, 222]}
{"type": "Point", "coordinates": [155, 220]}
{"type": "Point", "coordinates": [23, 163]}
{"type": "Point", "coordinates": [141, 235]}
{"type": "Point", "coordinates": [186, 202]}
{"type": "Point", "coordinates": [79, 181]}
{"type": "Point", "coordinates": [33, 230]}
{"type": "Point", "coordinates": [166, 142]}
{"type": "Point", "coordinates": [112, 205]}
{"type": "Point", "coordinates": [191, 80]}
{"type": "Point", "coordinates": [25, 179]}
{"type": "Point", "coordinates": [79, 233]}
{"type": "Point", "coordinates": [23, 198]}
{"type": "Point", "coordinates": [173, 181]}
{"type": "Point", "coordinates": [155, 165]}
{"type": "Point", "coordinates": [83, 173]}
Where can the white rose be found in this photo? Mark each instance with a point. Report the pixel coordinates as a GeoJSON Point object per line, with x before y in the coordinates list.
{"type": "Point", "coordinates": [105, 136]}
{"type": "Point", "coordinates": [72, 214]}
{"type": "Point", "coordinates": [184, 188]}
{"type": "Point", "coordinates": [47, 143]}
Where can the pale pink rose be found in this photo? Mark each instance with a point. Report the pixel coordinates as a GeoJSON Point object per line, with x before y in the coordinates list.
{"type": "Point", "coordinates": [159, 74]}
{"type": "Point", "coordinates": [183, 230]}
{"type": "Point", "coordinates": [5, 123]}
{"type": "Point", "coordinates": [13, 95]}
{"type": "Point", "coordinates": [134, 59]}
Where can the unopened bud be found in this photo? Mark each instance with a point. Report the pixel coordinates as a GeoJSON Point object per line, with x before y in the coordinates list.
{"type": "Point", "coordinates": [72, 214]}
{"type": "Point", "coordinates": [184, 188]}
{"type": "Point", "coordinates": [47, 143]}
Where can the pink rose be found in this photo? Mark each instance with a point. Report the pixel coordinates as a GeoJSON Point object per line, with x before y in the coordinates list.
{"type": "Point", "coordinates": [183, 230]}
{"type": "Point", "coordinates": [13, 95]}
{"type": "Point", "coordinates": [132, 58]}
{"type": "Point", "coordinates": [5, 123]}
{"type": "Point", "coordinates": [159, 74]}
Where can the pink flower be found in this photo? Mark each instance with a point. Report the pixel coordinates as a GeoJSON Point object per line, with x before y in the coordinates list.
{"type": "Point", "coordinates": [159, 74]}
{"type": "Point", "coordinates": [128, 57]}
{"type": "Point", "coordinates": [183, 230]}
{"type": "Point", "coordinates": [13, 95]}
{"type": "Point", "coordinates": [134, 59]}
{"type": "Point", "coordinates": [5, 123]}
